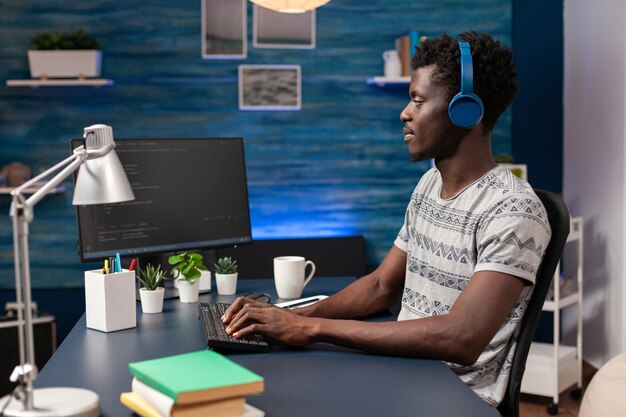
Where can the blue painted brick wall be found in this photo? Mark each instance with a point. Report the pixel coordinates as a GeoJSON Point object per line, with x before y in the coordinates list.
{"type": "Point", "coordinates": [336, 167]}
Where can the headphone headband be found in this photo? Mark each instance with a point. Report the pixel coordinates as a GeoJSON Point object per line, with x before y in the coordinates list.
{"type": "Point", "coordinates": [467, 69]}
{"type": "Point", "coordinates": [466, 108]}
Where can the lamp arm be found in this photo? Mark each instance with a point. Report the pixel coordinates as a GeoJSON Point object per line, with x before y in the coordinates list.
{"type": "Point", "coordinates": [74, 161]}
{"type": "Point", "coordinates": [44, 174]}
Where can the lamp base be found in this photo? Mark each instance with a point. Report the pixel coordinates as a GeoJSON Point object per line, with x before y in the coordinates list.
{"type": "Point", "coordinates": [55, 402]}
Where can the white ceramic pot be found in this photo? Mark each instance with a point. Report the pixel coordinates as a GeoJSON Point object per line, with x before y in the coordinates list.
{"type": "Point", "coordinates": [226, 283]}
{"type": "Point", "coordinates": [393, 65]}
{"type": "Point", "coordinates": [205, 280]}
{"type": "Point", "coordinates": [188, 293]}
{"type": "Point", "coordinates": [152, 301]}
{"type": "Point", "coordinates": [65, 64]}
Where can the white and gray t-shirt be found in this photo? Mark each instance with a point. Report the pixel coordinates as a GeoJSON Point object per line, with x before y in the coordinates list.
{"type": "Point", "coordinates": [496, 223]}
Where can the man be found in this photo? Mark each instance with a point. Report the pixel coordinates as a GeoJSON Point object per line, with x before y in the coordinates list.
{"type": "Point", "coordinates": [465, 260]}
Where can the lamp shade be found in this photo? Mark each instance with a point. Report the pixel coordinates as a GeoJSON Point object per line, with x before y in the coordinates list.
{"type": "Point", "coordinates": [290, 6]}
{"type": "Point", "coordinates": [101, 179]}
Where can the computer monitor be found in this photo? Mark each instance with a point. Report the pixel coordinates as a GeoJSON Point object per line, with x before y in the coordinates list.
{"type": "Point", "coordinates": [190, 194]}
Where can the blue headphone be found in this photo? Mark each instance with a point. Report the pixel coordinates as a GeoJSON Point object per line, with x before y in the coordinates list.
{"type": "Point", "coordinates": [466, 108]}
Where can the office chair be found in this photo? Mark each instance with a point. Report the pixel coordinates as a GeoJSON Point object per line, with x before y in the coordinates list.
{"type": "Point", "coordinates": [558, 216]}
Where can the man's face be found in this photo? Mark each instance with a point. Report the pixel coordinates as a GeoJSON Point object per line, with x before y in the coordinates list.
{"type": "Point", "coordinates": [428, 131]}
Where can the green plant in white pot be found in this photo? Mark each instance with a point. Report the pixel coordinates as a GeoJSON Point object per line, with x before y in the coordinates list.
{"type": "Point", "coordinates": [186, 270]}
{"type": "Point", "coordinates": [226, 275]}
{"type": "Point", "coordinates": [152, 292]}
{"type": "Point", "coordinates": [64, 55]}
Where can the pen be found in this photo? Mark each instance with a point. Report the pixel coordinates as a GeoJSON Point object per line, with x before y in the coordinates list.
{"type": "Point", "coordinates": [118, 262]}
{"type": "Point", "coordinates": [304, 302]}
{"type": "Point", "coordinates": [132, 265]}
{"type": "Point", "coordinates": [111, 264]}
{"type": "Point", "coordinates": [106, 267]}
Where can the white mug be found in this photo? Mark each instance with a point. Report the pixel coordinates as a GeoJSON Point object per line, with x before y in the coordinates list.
{"type": "Point", "coordinates": [289, 275]}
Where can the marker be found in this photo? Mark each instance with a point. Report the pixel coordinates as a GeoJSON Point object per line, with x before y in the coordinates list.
{"type": "Point", "coordinates": [118, 262]}
{"type": "Point", "coordinates": [132, 265]}
{"type": "Point", "coordinates": [111, 264]}
{"type": "Point", "coordinates": [106, 267]}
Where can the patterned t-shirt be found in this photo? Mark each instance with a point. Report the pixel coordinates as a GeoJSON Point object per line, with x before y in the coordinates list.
{"type": "Point", "coordinates": [496, 223]}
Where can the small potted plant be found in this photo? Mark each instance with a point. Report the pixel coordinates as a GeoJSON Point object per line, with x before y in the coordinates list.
{"type": "Point", "coordinates": [64, 55]}
{"type": "Point", "coordinates": [508, 161]}
{"type": "Point", "coordinates": [226, 275]}
{"type": "Point", "coordinates": [152, 292]}
{"type": "Point", "coordinates": [186, 270]}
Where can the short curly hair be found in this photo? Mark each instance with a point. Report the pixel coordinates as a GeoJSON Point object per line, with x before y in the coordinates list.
{"type": "Point", "coordinates": [494, 72]}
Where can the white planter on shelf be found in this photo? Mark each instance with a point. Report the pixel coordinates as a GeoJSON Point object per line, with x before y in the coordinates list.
{"type": "Point", "coordinates": [226, 283]}
{"type": "Point", "coordinates": [205, 280]}
{"type": "Point", "coordinates": [188, 293]}
{"type": "Point", "coordinates": [65, 63]}
{"type": "Point", "coordinates": [152, 301]}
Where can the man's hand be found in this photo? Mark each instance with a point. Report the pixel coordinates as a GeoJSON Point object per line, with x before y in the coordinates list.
{"type": "Point", "coordinates": [247, 316]}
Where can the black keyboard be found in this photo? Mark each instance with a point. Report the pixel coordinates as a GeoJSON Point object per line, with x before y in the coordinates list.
{"type": "Point", "coordinates": [215, 331]}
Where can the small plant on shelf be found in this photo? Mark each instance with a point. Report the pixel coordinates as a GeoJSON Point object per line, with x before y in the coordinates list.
{"type": "Point", "coordinates": [508, 161]}
{"type": "Point", "coordinates": [73, 54]}
{"type": "Point", "coordinates": [504, 158]}
{"type": "Point", "coordinates": [78, 39]}
{"type": "Point", "coordinates": [151, 277]}
{"type": "Point", "coordinates": [225, 266]}
{"type": "Point", "coordinates": [187, 264]}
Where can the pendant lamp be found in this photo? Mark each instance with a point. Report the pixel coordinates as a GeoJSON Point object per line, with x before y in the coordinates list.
{"type": "Point", "coordinates": [290, 6]}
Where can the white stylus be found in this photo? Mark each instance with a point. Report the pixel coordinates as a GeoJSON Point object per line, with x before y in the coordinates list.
{"type": "Point", "coordinates": [301, 302]}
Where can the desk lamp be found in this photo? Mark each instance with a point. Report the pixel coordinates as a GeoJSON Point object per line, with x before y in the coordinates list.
{"type": "Point", "coordinates": [101, 179]}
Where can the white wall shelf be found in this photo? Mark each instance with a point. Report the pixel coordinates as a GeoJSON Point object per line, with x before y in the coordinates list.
{"type": "Point", "coordinates": [553, 368]}
{"type": "Point", "coordinates": [60, 82]}
{"type": "Point", "coordinates": [382, 81]}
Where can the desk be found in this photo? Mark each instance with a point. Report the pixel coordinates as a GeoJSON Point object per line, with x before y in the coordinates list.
{"type": "Point", "coordinates": [319, 381]}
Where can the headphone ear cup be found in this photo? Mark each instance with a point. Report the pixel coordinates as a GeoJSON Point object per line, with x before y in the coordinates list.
{"type": "Point", "coordinates": [466, 110]}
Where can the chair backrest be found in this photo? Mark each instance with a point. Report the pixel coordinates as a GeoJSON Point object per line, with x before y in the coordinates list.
{"type": "Point", "coordinates": [558, 216]}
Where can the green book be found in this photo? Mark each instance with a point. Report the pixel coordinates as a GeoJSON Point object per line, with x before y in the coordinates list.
{"type": "Point", "coordinates": [196, 377]}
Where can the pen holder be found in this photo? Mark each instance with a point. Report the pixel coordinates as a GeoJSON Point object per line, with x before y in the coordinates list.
{"type": "Point", "coordinates": [110, 300]}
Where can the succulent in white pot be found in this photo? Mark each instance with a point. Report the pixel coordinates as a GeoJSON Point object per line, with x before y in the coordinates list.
{"type": "Point", "coordinates": [152, 292]}
{"type": "Point", "coordinates": [226, 275]}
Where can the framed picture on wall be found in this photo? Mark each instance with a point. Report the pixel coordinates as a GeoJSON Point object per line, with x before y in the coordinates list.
{"type": "Point", "coordinates": [270, 87]}
{"type": "Point", "coordinates": [224, 29]}
{"type": "Point", "coordinates": [272, 29]}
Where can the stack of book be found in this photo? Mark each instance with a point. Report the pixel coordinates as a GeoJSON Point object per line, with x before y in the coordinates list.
{"type": "Point", "coordinates": [195, 384]}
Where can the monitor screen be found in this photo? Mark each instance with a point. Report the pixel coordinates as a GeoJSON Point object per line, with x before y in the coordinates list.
{"type": "Point", "coordinates": [189, 194]}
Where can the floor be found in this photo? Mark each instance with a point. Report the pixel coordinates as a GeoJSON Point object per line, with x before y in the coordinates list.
{"type": "Point", "coordinates": [536, 406]}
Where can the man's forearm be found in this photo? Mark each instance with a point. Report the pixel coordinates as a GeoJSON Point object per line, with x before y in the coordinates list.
{"type": "Point", "coordinates": [363, 297]}
{"type": "Point", "coordinates": [433, 337]}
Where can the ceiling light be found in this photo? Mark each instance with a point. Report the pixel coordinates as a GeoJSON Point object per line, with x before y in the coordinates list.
{"type": "Point", "coordinates": [290, 6]}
